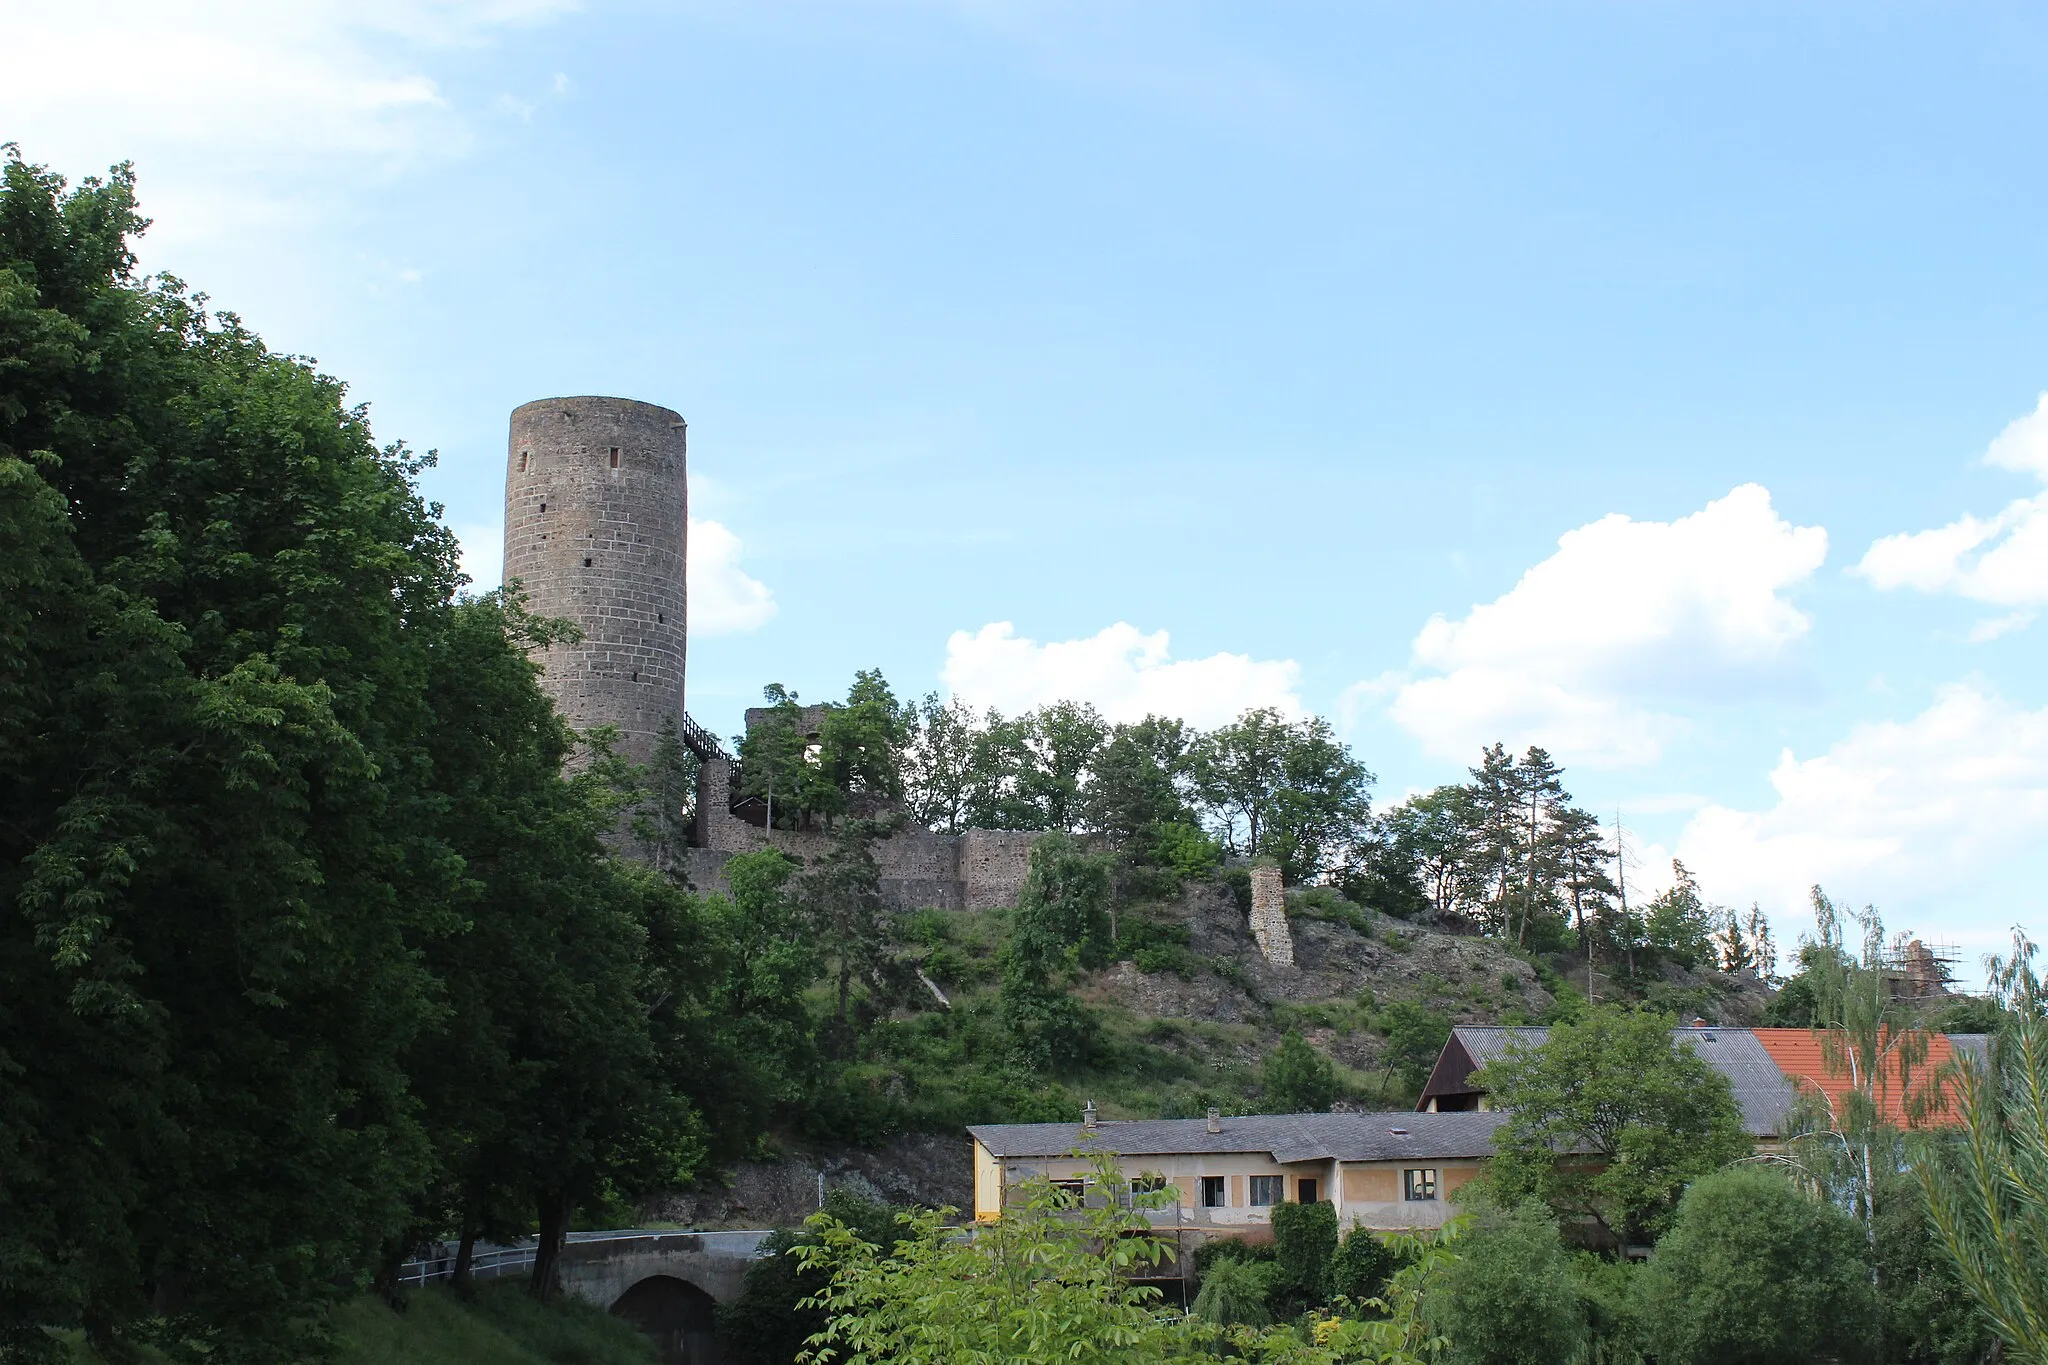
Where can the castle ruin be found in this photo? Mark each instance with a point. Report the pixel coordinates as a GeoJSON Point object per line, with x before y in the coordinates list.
{"type": "Point", "coordinates": [596, 528]}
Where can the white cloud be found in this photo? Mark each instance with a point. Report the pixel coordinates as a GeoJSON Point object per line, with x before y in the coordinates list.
{"type": "Point", "coordinates": [1124, 672]}
{"type": "Point", "coordinates": [724, 600]}
{"type": "Point", "coordinates": [235, 108]}
{"type": "Point", "coordinates": [1934, 819]}
{"type": "Point", "coordinates": [1588, 652]}
{"type": "Point", "coordinates": [2002, 560]}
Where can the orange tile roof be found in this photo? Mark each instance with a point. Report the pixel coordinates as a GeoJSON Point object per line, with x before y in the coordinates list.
{"type": "Point", "coordinates": [1801, 1055]}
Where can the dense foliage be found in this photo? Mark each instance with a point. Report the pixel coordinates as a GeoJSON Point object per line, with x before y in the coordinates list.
{"type": "Point", "coordinates": [1755, 1272]}
{"type": "Point", "coordinates": [1989, 1207]}
{"type": "Point", "coordinates": [1054, 1280]}
{"type": "Point", "coordinates": [309, 946]}
{"type": "Point", "coordinates": [1509, 1298]}
{"type": "Point", "coordinates": [1648, 1113]}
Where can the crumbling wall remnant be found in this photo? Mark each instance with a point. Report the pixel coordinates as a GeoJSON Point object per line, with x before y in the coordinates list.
{"type": "Point", "coordinates": [1269, 916]}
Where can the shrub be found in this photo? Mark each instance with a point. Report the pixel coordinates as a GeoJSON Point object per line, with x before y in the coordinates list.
{"type": "Point", "coordinates": [1235, 1291]}
{"type": "Point", "coordinates": [1754, 1272]}
{"type": "Point", "coordinates": [1304, 1241]}
{"type": "Point", "coordinates": [1298, 1079]}
{"type": "Point", "coordinates": [1362, 1266]}
{"type": "Point", "coordinates": [1509, 1298]}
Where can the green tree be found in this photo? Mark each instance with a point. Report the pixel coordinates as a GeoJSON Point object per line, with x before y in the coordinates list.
{"type": "Point", "coordinates": [1433, 833]}
{"type": "Point", "coordinates": [1049, 1281]}
{"type": "Point", "coordinates": [1416, 1035]}
{"type": "Point", "coordinates": [1285, 790]}
{"type": "Point", "coordinates": [1137, 787]}
{"type": "Point", "coordinates": [214, 773]}
{"type": "Point", "coordinates": [1305, 1244]}
{"type": "Point", "coordinates": [850, 923]}
{"type": "Point", "coordinates": [860, 749]}
{"type": "Point", "coordinates": [1927, 1315]}
{"type": "Point", "coordinates": [1060, 743]}
{"type": "Point", "coordinates": [1542, 801]}
{"type": "Point", "coordinates": [1646, 1111]}
{"type": "Point", "coordinates": [1754, 1272]}
{"type": "Point", "coordinates": [1297, 1078]}
{"type": "Point", "coordinates": [1510, 1297]}
{"type": "Point", "coordinates": [664, 819]}
{"type": "Point", "coordinates": [1679, 924]}
{"type": "Point", "coordinates": [1046, 1282]}
{"type": "Point", "coordinates": [1062, 923]}
{"type": "Point", "coordinates": [1844, 1140]}
{"type": "Point", "coordinates": [763, 955]}
{"type": "Point", "coordinates": [1234, 1293]}
{"type": "Point", "coordinates": [1987, 1206]}
{"type": "Point", "coordinates": [777, 765]}
{"type": "Point", "coordinates": [1493, 869]}
{"type": "Point", "coordinates": [938, 763]}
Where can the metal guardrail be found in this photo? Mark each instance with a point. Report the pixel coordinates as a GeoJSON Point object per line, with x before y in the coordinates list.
{"type": "Point", "coordinates": [490, 1261]}
{"type": "Point", "coordinates": [484, 1264]}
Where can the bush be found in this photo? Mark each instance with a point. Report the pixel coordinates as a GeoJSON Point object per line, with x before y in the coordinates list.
{"type": "Point", "coordinates": [1304, 1241]}
{"type": "Point", "coordinates": [1155, 946]}
{"type": "Point", "coordinates": [1236, 1291]}
{"type": "Point", "coordinates": [1754, 1272]}
{"type": "Point", "coordinates": [1189, 852]}
{"type": "Point", "coordinates": [1298, 1079]}
{"type": "Point", "coordinates": [1362, 1266]}
{"type": "Point", "coordinates": [1509, 1298]}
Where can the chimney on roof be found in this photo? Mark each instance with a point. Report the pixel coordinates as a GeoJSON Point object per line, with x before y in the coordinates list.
{"type": "Point", "coordinates": [1215, 1119]}
{"type": "Point", "coordinates": [1698, 1022]}
{"type": "Point", "coordinates": [1088, 1114]}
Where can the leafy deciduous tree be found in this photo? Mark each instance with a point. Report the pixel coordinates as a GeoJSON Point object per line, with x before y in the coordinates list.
{"type": "Point", "coordinates": [1647, 1113]}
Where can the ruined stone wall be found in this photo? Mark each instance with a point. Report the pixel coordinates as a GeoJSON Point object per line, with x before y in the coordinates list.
{"type": "Point", "coordinates": [809, 719]}
{"type": "Point", "coordinates": [992, 866]}
{"type": "Point", "coordinates": [596, 511]}
{"type": "Point", "coordinates": [1269, 916]}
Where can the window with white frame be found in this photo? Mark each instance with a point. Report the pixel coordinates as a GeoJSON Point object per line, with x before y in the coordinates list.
{"type": "Point", "coordinates": [1418, 1184]}
{"type": "Point", "coordinates": [1268, 1190]}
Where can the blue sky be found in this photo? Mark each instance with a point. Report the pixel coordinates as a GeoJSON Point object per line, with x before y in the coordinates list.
{"type": "Point", "coordinates": [1656, 382]}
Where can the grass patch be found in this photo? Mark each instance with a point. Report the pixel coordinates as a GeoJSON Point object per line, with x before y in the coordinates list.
{"type": "Point", "coordinates": [500, 1325]}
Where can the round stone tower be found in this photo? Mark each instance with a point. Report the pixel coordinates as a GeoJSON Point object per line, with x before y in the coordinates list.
{"type": "Point", "coordinates": [597, 509]}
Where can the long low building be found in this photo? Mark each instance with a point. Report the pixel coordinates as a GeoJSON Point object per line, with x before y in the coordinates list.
{"type": "Point", "coordinates": [1384, 1170]}
{"type": "Point", "coordinates": [1394, 1170]}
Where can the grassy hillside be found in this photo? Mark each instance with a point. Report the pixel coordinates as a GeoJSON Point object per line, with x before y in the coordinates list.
{"type": "Point", "coordinates": [499, 1325]}
{"type": "Point", "coordinates": [1187, 1013]}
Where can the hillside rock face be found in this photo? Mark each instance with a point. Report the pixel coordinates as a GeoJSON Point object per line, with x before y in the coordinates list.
{"type": "Point", "coordinates": [1229, 1010]}
{"type": "Point", "coordinates": [931, 1169]}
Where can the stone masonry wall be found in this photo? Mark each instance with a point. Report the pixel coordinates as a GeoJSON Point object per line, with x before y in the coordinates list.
{"type": "Point", "coordinates": [977, 870]}
{"type": "Point", "coordinates": [992, 866]}
{"type": "Point", "coordinates": [596, 511]}
{"type": "Point", "coordinates": [1269, 916]}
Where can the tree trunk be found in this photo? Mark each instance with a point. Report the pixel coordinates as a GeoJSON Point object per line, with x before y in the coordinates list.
{"type": "Point", "coordinates": [463, 1277]}
{"type": "Point", "coordinates": [547, 1259]}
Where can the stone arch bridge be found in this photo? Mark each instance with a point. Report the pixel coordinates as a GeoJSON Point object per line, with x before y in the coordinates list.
{"type": "Point", "coordinates": [664, 1283]}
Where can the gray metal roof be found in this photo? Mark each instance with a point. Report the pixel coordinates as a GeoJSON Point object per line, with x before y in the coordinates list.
{"type": "Point", "coordinates": [1395, 1136]}
{"type": "Point", "coordinates": [1973, 1045]}
{"type": "Point", "coordinates": [1761, 1090]}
